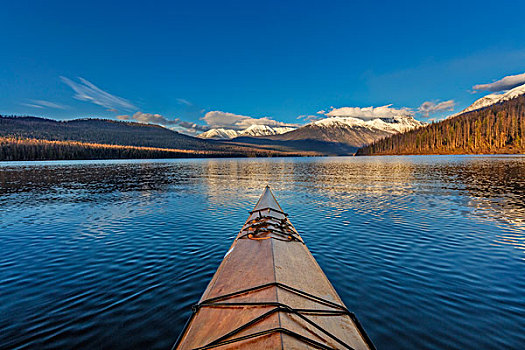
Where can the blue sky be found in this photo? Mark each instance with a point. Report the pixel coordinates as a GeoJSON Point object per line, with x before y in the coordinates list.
{"type": "Point", "coordinates": [274, 59]}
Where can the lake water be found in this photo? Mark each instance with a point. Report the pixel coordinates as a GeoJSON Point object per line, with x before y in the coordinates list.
{"type": "Point", "coordinates": [429, 252]}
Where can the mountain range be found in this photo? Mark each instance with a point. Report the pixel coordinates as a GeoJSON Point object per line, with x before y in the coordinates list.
{"type": "Point", "coordinates": [341, 134]}
{"type": "Point", "coordinates": [345, 135]}
{"type": "Point", "coordinates": [334, 135]}
{"type": "Point", "coordinates": [492, 124]}
{"type": "Point", "coordinates": [251, 131]}
{"type": "Point", "coordinates": [33, 138]}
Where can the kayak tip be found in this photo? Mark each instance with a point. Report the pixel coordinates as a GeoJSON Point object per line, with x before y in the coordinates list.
{"type": "Point", "coordinates": [267, 200]}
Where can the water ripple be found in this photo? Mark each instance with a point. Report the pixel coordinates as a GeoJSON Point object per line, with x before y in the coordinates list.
{"type": "Point", "coordinates": [428, 251]}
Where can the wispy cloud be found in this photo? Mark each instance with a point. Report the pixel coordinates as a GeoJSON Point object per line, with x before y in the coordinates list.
{"type": "Point", "coordinates": [506, 83]}
{"type": "Point", "coordinates": [369, 113]}
{"type": "Point", "coordinates": [32, 105]}
{"type": "Point", "coordinates": [430, 107]}
{"type": "Point", "coordinates": [184, 102]}
{"type": "Point", "coordinates": [219, 119]}
{"type": "Point", "coordinates": [311, 118]}
{"type": "Point", "coordinates": [43, 104]}
{"type": "Point", "coordinates": [87, 91]}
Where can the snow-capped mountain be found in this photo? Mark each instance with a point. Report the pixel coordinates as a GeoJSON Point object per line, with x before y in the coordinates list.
{"type": "Point", "coordinates": [390, 125]}
{"type": "Point", "coordinates": [351, 131]}
{"type": "Point", "coordinates": [219, 134]}
{"type": "Point", "coordinates": [265, 130]}
{"type": "Point", "coordinates": [492, 99]}
{"type": "Point", "coordinates": [252, 131]}
{"type": "Point", "coordinates": [338, 135]}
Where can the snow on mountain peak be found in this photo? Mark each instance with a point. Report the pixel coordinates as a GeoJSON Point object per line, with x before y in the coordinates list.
{"type": "Point", "coordinates": [252, 130]}
{"type": "Point", "coordinates": [264, 130]}
{"type": "Point", "coordinates": [494, 98]}
{"type": "Point", "coordinates": [392, 124]}
{"type": "Point", "coordinates": [386, 123]}
{"type": "Point", "coordinates": [219, 134]}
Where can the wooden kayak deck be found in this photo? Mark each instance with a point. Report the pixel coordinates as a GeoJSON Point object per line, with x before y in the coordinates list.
{"type": "Point", "coordinates": [270, 293]}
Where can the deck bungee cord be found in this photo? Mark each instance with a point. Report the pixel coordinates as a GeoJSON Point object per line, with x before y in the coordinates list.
{"type": "Point", "coordinates": [278, 307]}
{"type": "Point", "coordinates": [262, 225]}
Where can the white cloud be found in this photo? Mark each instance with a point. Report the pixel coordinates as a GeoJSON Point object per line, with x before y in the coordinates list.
{"type": "Point", "coordinates": [506, 83]}
{"type": "Point", "coordinates": [44, 104]}
{"type": "Point", "coordinates": [218, 119]}
{"type": "Point", "coordinates": [193, 127]}
{"type": "Point", "coordinates": [150, 118]}
{"type": "Point", "coordinates": [430, 107]}
{"type": "Point", "coordinates": [369, 113]}
{"type": "Point", "coordinates": [86, 91]}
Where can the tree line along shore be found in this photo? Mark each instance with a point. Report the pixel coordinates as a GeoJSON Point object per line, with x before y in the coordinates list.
{"type": "Point", "coordinates": [17, 149]}
{"type": "Point", "coordinates": [498, 129]}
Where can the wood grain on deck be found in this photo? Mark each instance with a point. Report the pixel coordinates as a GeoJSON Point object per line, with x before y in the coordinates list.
{"type": "Point", "coordinates": [251, 263]}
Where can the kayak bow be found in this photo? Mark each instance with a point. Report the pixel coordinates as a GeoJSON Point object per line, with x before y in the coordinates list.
{"type": "Point", "coordinates": [270, 293]}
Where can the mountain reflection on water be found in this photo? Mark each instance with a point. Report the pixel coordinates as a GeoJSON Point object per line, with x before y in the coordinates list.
{"type": "Point", "coordinates": [428, 251]}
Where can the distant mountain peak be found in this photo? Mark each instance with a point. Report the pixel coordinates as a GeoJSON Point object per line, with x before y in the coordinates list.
{"type": "Point", "coordinates": [265, 130]}
{"type": "Point", "coordinates": [252, 131]}
{"type": "Point", "coordinates": [219, 134]}
{"type": "Point", "coordinates": [391, 124]}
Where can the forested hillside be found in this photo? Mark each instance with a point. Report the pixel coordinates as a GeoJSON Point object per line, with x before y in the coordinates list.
{"type": "Point", "coordinates": [496, 129]}
{"type": "Point", "coordinates": [33, 149]}
{"type": "Point", "coordinates": [100, 131]}
{"type": "Point", "coordinates": [31, 138]}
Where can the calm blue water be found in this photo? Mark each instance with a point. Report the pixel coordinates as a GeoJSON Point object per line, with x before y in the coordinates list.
{"type": "Point", "coordinates": [429, 252]}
